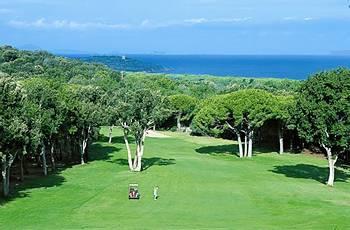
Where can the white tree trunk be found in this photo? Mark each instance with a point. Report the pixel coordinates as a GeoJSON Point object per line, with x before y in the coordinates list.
{"type": "Point", "coordinates": [178, 121]}
{"type": "Point", "coordinates": [331, 165]}
{"type": "Point", "coordinates": [240, 147]}
{"type": "Point", "coordinates": [83, 149]}
{"type": "Point", "coordinates": [128, 150]}
{"type": "Point", "coordinates": [140, 150]}
{"type": "Point", "coordinates": [280, 138]}
{"type": "Point", "coordinates": [134, 166]}
{"type": "Point", "coordinates": [245, 145]}
{"type": "Point", "coordinates": [239, 139]}
{"type": "Point", "coordinates": [110, 134]}
{"type": "Point", "coordinates": [138, 165]}
{"type": "Point", "coordinates": [43, 155]}
{"type": "Point", "coordinates": [250, 150]}
{"type": "Point", "coordinates": [5, 172]}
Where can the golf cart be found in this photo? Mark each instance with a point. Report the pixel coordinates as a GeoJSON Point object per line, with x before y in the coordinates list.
{"type": "Point", "coordinates": [134, 191]}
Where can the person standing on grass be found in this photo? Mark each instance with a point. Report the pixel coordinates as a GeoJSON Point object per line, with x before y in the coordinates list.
{"type": "Point", "coordinates": [155, 193]}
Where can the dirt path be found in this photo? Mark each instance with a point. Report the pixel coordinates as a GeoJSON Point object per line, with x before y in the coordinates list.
{"type": "Point", "coordinates": [151, 133]}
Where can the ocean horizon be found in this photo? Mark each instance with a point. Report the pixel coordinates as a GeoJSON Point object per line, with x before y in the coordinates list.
{"type": "Point", "coordinates": [297, 67]}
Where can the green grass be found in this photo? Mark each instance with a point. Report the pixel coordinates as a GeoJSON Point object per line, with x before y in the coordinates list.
{"type": "Point", "coordinates": [202, 186]}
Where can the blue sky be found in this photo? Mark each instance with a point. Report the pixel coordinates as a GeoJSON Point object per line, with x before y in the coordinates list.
{"type": "Point", "coordinates": [177, 27]}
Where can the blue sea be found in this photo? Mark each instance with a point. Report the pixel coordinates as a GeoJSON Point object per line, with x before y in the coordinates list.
{"type": "Point", "coordinates": [292, 67]}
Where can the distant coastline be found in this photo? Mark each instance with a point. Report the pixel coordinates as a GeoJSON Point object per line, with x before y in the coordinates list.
{"type": "Point", "coordinates": [297, 67]}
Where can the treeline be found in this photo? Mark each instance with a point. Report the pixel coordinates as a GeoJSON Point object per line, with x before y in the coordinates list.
{"type": "Point", "coordinates": [51, 109]}
{"type": "Point", "coordinates": [206, 85]}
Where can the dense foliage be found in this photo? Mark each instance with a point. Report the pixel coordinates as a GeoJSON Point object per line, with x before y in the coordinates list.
{"type": "Point", "coordinates": [51, 109]}
{"type": "Point", "coordinates": [323, 114]}
{"type": "Point", "coordinates": [26, 64]}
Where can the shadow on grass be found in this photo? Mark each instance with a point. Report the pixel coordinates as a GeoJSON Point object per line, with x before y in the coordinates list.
{"type": "Point", "coordinates": [115, 139]}
{"type": "Point", "coordinates": [100, 152]}
{"type": "Point", "coordinates": [262, 149]}
{"type": "Point", "coordinates": [230, 149]}
{"type": "Point", "coordinates": [312, 172]}
{"type": "Point", "coordinates": [22, 190]}
{"type": "Point", "coordinates": [35, 179]}
{"type": "Point", "coordinates": [219, 149]}
{"type": "Point", "coordinates": [148, 162]}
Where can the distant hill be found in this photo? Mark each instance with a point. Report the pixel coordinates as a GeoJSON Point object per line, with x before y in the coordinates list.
{"type": "Point", "coordinates": [26, 64]}
{"type": "Point", "coordinates": [120, 63]}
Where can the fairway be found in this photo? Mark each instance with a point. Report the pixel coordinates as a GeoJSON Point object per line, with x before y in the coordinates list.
{"type": "Point", "coordinates": [202, 185]}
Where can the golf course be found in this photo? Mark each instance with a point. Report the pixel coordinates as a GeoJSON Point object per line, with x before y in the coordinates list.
{"type": "Point", "coordinates": [202, 185]}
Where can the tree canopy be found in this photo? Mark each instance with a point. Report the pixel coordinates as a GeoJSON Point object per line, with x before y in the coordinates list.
{"type": "Point", "coordinates": [323, 114]}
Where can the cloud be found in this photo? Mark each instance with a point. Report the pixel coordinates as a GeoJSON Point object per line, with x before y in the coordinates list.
{"type": "Point", "coordinates": [308, 19]}
{"type": "Point", "coordinates": [65, 24]}
{"type": "Point", "coordinates": [216, 20]}
{"type": "Point", "coordinates": [42, 23]}
{"type": "Point", "coordinates": [298, 19]}
{"type": "Point", "coordinates": [145, 22]}
{"type": "Point", "coordinates": [289, 18]}
{"type": "Point", "coordinates": [196, 21]}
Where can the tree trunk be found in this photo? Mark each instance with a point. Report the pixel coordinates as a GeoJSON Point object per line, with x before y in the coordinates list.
{"type": "Point", "coordinates": [86, 153]}
{"type": "Point", "coordinates": [245, 145]}
{"type": "Point", "coordinates": [140, 149]}
{"type": "Point", "coordinates": [21, 168]}
{"type": "Point", "coordinates": [128, 149]}
{"type": "Point", "coordinates": [239, 139]}
{"type": "Point", "coordinates": [5, 178]}
{"type": "Point", "coordinates": [110, 134]}
{"type": "Point", "coordinates": [82, 151]}
{"type": "Point", "coordinates": [82, 162]}
{"type": "Point", "coordinates": [52, 155]}
{"type": "Point", "coordinates": [280, 138]}
{"type": "Point", "coordinates": [134, 165]}
{"type": "Point", "coordinates": [250, 150]}
{"type": "Point", "coordinates": [178, 121]}
{"type": "Point", "coordinates": [21, 162]}
{"type": "Point", "coordinates": [331, 164]}
{"type": "Point", "coordinates": [291, 142]}
{"type": "Point", "coordinates": [137, 161]}
{"type": "Point", "coordinates": [43, 155]}
{"type": "Point", "coordinates": [5, 172]}
{"type": "Point", "coordinates": [240, 147]}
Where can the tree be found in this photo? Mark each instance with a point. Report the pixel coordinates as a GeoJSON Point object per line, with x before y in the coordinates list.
{"type": "Point", "coordinates": [323, 114]}
{"type": "Point", "coordinates": [84, 111]}
{"type": "Point", "coordinates": [12, 127]}
{"type": "Point", "coordinates": [10, 55]}
{"type": "Point", "coordinates": [183, 106]}
{"type": "Point", "coordinates": [110, 114]}
{"type": "Point", "coordinates": [43, 114]}
{"type": "Point", "coordinates": [138, 110]}
{"type": "Point", "coordinates": [242, 112]}
{"type": "Point", "coordinates": [283, 110]}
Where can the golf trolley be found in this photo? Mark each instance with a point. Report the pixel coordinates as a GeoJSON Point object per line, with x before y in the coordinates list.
{"type": "Point", "coordinates": [134, 191]}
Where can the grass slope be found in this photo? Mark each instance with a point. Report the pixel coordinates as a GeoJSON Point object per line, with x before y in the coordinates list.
{"type": "Point", "coordinates": [202, 186]}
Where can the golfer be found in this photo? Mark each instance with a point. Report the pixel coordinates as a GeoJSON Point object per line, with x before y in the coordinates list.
{"type": "Point", "coordinates": [155, 193]}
